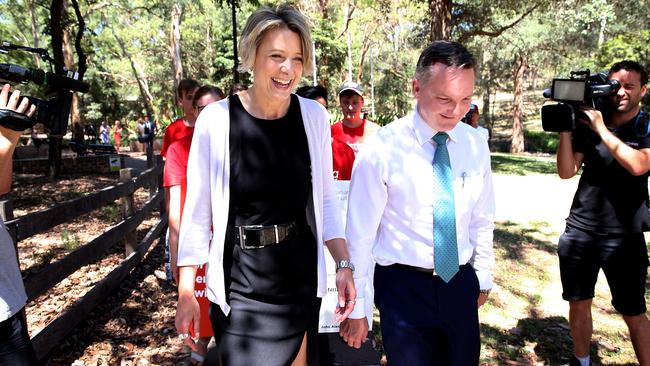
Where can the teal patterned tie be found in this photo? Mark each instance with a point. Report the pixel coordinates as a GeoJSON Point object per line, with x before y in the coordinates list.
{"type": "Point", "coordinates": [444, 213]}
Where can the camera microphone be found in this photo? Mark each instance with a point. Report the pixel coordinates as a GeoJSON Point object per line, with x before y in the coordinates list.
{"type": "Point", "coordinates": [19, 74]}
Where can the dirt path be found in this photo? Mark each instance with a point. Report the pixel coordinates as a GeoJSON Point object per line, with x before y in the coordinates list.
{"type": "Point", "coordinates": [535, 197]}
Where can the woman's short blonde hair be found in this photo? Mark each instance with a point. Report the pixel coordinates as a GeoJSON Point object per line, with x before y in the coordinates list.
{"type": "Point", "coordinates": [266, 19]}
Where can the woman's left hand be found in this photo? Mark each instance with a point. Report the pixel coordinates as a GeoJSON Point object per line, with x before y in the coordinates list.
{"type": "Point", "coordinates": [347, 294]}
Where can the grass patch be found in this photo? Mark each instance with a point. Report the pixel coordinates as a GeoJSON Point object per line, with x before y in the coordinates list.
{"type": "Point", "coordinates": [111, 213]}
{"type": "Point", "coordinates": [70, 241]}
{"type": "Point", "coordinates": [522, 164]}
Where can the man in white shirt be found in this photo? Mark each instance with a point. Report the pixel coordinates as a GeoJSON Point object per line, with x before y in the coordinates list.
{"type": "Point", "coordinates": [427, 290]}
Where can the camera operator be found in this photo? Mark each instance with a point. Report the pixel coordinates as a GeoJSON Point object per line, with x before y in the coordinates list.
{"type": "Point", "coordinates": [609, 212]}
{"type": "Point", "coordinates": [15, 345]}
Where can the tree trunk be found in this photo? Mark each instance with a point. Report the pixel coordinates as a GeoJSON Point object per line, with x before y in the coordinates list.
{"type": "Point", "coordinates": [440, 17]}
{"type": "Point", "coordinates": [35, 38]}
{"type": "Point", "coordinates": [175, 46]}
{"type": "Point", "coordinates": [235, 56]}
{"type": "Point", "coordinates": [517, 145]}
{"type": "Point", "coordinates": [57, 9]}
{"type": "Point", "coordinates": [68, 57]}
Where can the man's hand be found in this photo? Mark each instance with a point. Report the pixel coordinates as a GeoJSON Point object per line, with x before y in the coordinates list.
{"type": "Point", "coordinates": [354, 332]}
{"type": "Point", "coordinates": [347, 294]}
{"type": "Point", "coordinates": [10, 102]}
{"type": "Point", "coordinates": [594, 119]}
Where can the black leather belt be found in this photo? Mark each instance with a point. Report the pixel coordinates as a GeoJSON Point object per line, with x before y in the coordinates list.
{"type": "Point", "coordinates": [259, 236]}
{"type": "Point", "coordinates": [421, 269]}
{"type": "Point", "coordinates": [416, 269]}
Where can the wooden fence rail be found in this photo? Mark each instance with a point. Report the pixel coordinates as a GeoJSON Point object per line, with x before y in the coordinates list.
{"type": "Point", "coordinates": [46, 278]}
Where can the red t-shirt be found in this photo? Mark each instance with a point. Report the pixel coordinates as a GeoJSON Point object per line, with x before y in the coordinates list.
{"type": "Point", "coordinates": [174, 132]}
{"type": "Point", "coordinates": [176, 174]}
{"type": "Point", "coordinates": [345, 145]}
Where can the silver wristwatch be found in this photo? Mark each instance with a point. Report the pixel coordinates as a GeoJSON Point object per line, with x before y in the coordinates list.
{"type": "Point", "coordinates": [344, 263]}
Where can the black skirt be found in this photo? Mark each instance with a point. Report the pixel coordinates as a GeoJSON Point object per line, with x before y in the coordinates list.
{"type": "Point", "coordinates": [273, 303]}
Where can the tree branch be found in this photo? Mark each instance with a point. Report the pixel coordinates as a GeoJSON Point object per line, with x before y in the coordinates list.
{"type": "Point", "coordinates": [81, 55]}
{"type": "Point", "coordinates": [480, 32]}
{"type": "Point", "coordinates": [348, 19]}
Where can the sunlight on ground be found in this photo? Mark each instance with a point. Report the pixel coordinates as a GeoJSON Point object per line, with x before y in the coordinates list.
{"type": "Point", "coordinates": [525, 321]}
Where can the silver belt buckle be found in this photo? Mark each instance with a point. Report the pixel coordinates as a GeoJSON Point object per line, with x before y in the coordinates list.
{"type": "Point", "coordinates": [242, 236]}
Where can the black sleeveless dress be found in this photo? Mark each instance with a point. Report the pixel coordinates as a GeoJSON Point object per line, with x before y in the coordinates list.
{"type": "Point", "coordinates": [271, 290]}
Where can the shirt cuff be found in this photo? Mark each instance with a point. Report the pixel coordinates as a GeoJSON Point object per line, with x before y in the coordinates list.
{"type": "Point", "coordinates": [484, 280]}
{"type": "Point", "coordinates": [359, 311]}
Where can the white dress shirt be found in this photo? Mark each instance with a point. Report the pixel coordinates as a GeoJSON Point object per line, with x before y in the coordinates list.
{"type": "Point", "coordinates": [208, 194]}
{"type": "Point", "coordinates": [390, 204]}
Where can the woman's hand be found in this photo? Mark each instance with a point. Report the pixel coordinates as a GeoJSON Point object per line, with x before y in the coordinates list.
{"type": "Point", "coordinates": [187, 309]}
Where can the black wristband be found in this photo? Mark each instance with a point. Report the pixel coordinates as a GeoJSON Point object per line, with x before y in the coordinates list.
{"type": "Point", "coordinates": [15, 121]}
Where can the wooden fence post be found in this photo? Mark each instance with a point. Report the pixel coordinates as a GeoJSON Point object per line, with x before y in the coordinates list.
{"type": "Point", "coordinates": [159, 183]}
{"type": "Point", "coordinates": [6, 208]}
{"type": "Point", "coordinates": [127, 206]}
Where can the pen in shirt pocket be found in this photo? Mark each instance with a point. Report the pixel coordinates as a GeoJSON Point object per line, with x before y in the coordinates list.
{"type": "Point", "coordinates": [463, 175]}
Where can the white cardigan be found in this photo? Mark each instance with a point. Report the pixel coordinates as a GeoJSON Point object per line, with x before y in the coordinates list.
{"type": "Point", "coordinates": [208, 193]}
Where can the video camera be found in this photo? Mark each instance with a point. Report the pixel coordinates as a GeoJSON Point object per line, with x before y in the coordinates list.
{"type": "Point", "coordinates": [53, 111]}
{"type": "Point", "coordinates": [582, 88]}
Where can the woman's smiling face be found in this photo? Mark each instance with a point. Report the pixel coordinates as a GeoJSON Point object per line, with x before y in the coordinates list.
{"type": "Point", "coordinates": [278, 62]}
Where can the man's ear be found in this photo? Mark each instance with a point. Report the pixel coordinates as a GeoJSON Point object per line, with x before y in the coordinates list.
{"type": "Point", "coordinates": [415, 87]}
{"type": "Point", "coordinates": [644, 89]}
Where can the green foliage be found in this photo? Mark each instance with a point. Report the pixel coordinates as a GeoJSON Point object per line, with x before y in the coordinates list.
{"type": "Point", "coordinates": [556, 37]}
{"type": "Point", "coordinates": [541, 142]}
{"type": "Point", "coordinates": [70, 241]}
{"type": "Point", "coordinates": [110, 213]}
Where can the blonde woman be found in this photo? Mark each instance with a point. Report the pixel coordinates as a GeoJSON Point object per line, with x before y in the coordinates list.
{"type": "Point", "coordinates": [259, 173]}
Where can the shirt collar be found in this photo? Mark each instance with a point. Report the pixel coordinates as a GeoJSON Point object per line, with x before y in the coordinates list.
{"type": "Point", "coordinates": [423, 132]}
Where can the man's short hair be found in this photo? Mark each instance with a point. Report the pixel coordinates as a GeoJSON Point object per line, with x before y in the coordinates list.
{"type": "Point", "coordinates": [312, 92]}
{"type": "Point", "coordinates": [205, 90]}
{"type": "Point", "coordinates": [266, 19]}
{"type": "Point", "coordinates": [630, 65]}
{"type": "Point", "coordinates": [185, 86]}
{"type": "Point", "coordinates": [448, 53]}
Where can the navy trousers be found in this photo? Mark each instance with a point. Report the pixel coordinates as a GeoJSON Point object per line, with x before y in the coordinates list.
{"type": "Point", "coordinates": [425, 321]}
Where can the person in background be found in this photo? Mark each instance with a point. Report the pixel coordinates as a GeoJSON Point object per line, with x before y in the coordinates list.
{"type": "Point", "coordinates": [117, 135]}
{"type": "Point", "coordinates": [183, 126]}
{"type": "Point", "coordinates": [15, 346]}
{"type": "Point", "coordinates": [316, 92]}
{"type": "Point", "coordinates": [472, 117]}
{"type": "Point", "coordinates": [142, 136]}
{"type": "Point", "coordinates": [259, 173]}
{"type": "Point", "coordinates": [175, 180]}
{"type": "Point", "coordinates": [349, 133]}
{"type": "Point", "coordinates": [103, 133]}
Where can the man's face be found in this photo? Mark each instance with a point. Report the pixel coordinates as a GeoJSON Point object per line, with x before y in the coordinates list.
{"type": "Point", "coordinates": [186, 102]}
{"type": "Point", "coordinates": [629, 95]}
{"type": "Point", "coordinates": [351, 105]}
{"type": "Point", "coordinates": [445, 97]}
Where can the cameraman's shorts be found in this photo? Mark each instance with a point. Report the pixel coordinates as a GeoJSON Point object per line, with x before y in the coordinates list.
{"type": "Point", "coordinates": [623, 258]}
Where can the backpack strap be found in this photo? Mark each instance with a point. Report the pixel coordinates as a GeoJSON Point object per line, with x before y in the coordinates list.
{"type": "Point", "coordinates": [642, 124]}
